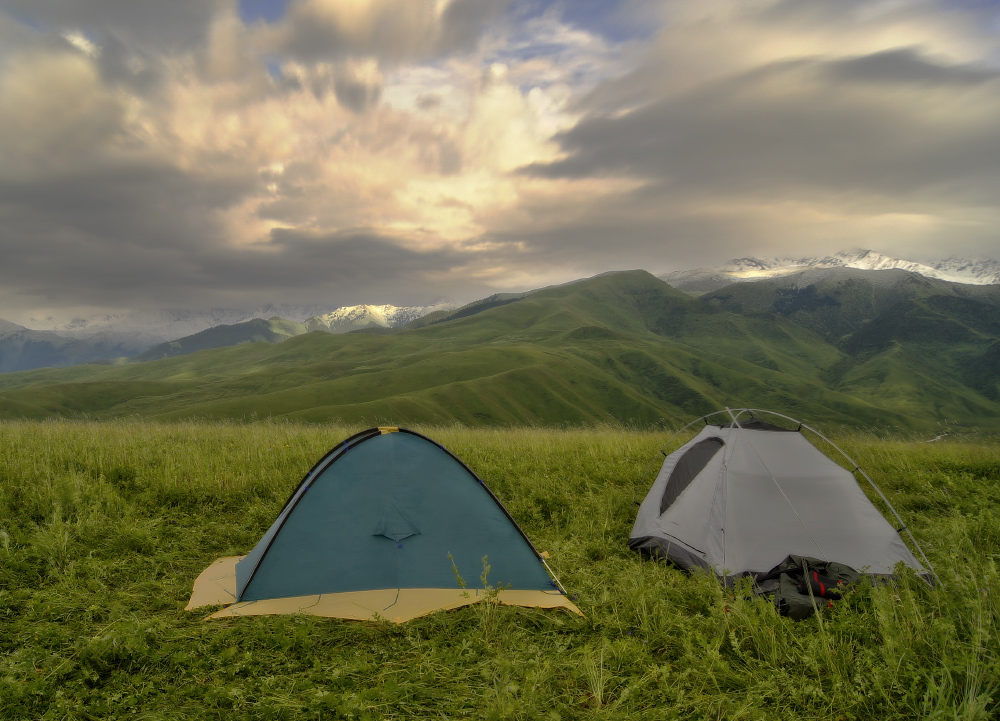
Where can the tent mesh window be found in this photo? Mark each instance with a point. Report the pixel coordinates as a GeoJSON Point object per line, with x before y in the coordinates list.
{"type": "Point", "coordinates": [689, 466]}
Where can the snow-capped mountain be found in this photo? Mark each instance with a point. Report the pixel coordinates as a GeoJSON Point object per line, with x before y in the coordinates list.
{"type": "Point", "coordinates": [978, 272]}
{"type": "Point", "coordinates": [956, 270]}
{"type": "Point", "coordinates": [354, 317]}
{"type": "Point", "coordinates": [136, 331]}
{"type": "Point", "coordinates": [23, 349]}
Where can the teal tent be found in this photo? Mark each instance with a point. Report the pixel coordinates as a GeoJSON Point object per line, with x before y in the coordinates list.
{"type": "Point", "coordinates": [383, 525]}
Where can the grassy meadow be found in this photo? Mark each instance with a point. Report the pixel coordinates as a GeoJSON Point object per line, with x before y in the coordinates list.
{"type": "Point", "coordinates": [105, 525]}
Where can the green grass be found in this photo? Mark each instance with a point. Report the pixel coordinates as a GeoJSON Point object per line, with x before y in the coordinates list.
{"type": "Point", "coordinates": [104, 526]}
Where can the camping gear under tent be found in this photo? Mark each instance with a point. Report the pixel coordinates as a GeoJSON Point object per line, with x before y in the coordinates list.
{"type": "Point", "coordinates": [383, 526]}
{"type": "Point", "coordinates": [744, 494]}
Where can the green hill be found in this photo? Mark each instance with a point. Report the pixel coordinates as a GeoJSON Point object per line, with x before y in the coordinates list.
{"type": "Point", "coordinates": [257, 330]}
{"type": "Point", "coordinates": [917, 345]}
{"type": "Point", "coordinates": [622, 346]}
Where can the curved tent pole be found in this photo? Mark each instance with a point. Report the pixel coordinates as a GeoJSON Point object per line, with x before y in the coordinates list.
{"type": "Point", "coordinates": [320, 466]}
{"type": "Point", "coordinates": [501, 506]}
{"type": "Point", "coordinates": [329, 457]}
{"type": "Point", "coordinates": [859, 469]}
{"type": "Point", "coordinates": [856, 468]}
{"type": "Point", "coordinates": [684, 428]}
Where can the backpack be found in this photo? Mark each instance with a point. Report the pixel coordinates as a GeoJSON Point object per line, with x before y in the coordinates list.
{"type": "Point", "coordinates": [800, 584]}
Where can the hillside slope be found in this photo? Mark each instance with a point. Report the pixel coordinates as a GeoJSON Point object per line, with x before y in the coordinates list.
{"type": "Point", "coordinates": [622, 346]}
{"type": "Point", "coordinates": [909, 342]}
{"type": "Point", "coordinates": [258, 330]}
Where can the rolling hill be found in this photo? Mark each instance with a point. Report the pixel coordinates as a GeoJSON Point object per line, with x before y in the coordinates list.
{"type": "Point", "coordinates": [258, 330]}
{"type": "Point", "coordinates": [908, 341]}
{"type": "Point", "coordinates": [621, 346]}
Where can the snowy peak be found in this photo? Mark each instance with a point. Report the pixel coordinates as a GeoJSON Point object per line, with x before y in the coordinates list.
{"type": "Point", "coordinates": [354, 317]}
{"type": "Point", "coordinates": [871, 260]}
{"type": "Point", "coordinates": [979, 272]}
{"type": "Point", "coordinates": [136, 331]}
{"type": "Point", "coordinates": [955, 270]}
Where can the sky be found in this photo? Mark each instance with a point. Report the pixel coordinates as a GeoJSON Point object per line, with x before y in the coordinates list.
{"type": "Point", "coordinates": [232, 153]}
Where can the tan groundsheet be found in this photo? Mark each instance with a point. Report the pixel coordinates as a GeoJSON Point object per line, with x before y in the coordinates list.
{"type": "Point", "coordinates": [217, 586]}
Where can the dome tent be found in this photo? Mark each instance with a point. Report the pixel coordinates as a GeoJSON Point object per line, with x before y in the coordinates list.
{"type": "Point", "coordinates": [382, 526]}
{"type": "Point", "coordinates": [743, 495]}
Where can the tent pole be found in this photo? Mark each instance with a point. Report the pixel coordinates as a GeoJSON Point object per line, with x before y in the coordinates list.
{"type": "Point", "coordinates": [858, 469]}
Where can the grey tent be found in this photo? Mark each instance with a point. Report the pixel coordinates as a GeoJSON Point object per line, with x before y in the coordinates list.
{"type": "Point", "coordinates": [384, 525]}
{"type": "Point", "coordinates": [743, 495]}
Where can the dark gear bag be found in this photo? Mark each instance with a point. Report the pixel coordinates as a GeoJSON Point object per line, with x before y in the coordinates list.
{"type": "Point", "coordinates": [789, 584]}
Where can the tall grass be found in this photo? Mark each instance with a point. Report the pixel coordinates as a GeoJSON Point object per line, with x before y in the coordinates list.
{"type": "Point", "coordinates": [104, 526]}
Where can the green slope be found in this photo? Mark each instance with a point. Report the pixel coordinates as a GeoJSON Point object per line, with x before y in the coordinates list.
{"type": "Point", "coordinates": [913, 344]}
{"type": "Point", "coordinates": [272, 330]}
{"type": "Point", "coordinates": [623, 346]}
{"type": "Point", "coordinates": [837, 302]}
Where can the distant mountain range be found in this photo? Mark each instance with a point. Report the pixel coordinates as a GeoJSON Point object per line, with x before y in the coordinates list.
{"type": "Point", "coordinates": [277, 329]}
{"type": "Point", "coordinates": [22, 349]}
{"type": "Point", "coordinates": [139, 330]}
{"type": "Point", "coordinates": [149, 335]}
{"type": "Point", "coordinates": [833, 345]}
{"type": "Point", "coordinates": [741, 270]}
{"type": "Point", "coordinates": [152, 335]}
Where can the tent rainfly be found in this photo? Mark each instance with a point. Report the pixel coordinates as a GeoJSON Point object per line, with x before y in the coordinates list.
{"type": "Point", "coordinates": [742, 496]}
{"type": "Point", "coordinates": [383, 526]}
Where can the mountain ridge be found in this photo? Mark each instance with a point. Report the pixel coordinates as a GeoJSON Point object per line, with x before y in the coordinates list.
{"type": "Point", "coordinates": [742, 270]}
{"type": "Point", "coordinates": [623, 347]}
{"type": "Point", "coordinates": [142, 334]}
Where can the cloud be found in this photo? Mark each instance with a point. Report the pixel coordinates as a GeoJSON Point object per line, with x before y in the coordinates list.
{"type": "Point", "coordinates": [391, 30]}
{"type": "Point", "coordinates": [197, 178]}
{"type": "Point", "coordinates": [357, 86]}
{"type": "Point", "coordinates": [808, 129]}
{"type": "Point", "coordinates": [177, 25]}
{"type": "Point", "coordinates": [805, 126]}
{"type": "Point", "coordinates": [906, 66]}
{"type": "Point", "coordinates": [395, 150]}
{"type": "Point", "coordinates": [55, 114]}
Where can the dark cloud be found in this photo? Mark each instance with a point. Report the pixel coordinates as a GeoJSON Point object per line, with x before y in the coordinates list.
{"type": "Point", "coordinates": [130, 205]}
{"type": "Point", "coordinates": [429, 101]}
{"type": "Point", "coordinates": [390, 31]}
{"type": "Point", "coordinates": [151, 235]}
{"type": "Point", "coordinates": [806, 126]}
{"type": "Point", "coordinates": [150, 173]}
{"type": "Point", "coordinates": [643, 228]}
{"type": "Point", "coordinates": [70, 267]}
{"type": "Point", "coordinates": [120, 66]}
{"type": "Point", "coordinates": [354, 93]}
{"type": "Point", "coordinates": [907, 66]}
{"type": "Point", "coordinates": [172, 26]}
{"type": "Point", "coordinates": [465, 20]}
{"type": "Point", "coordinates": [98, 237]}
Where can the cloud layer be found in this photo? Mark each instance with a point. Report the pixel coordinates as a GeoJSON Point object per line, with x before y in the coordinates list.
{"type": "Point", "coordinates": [170, 154]}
